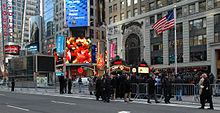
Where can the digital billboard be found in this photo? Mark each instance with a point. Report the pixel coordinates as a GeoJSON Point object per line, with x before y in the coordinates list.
{"type": "Point", "coordinates": [12, 49]}
{"type": "Point", "coordinates": [32, 47]}
{"type": "Point", "coordinates": [77, 13]}
{"type": "Point", "coordinates": [78, 50]}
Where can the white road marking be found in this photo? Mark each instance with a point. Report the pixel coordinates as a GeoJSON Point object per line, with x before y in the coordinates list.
{"type": "Point", "coordinates": [124, 112]}
{"type": "Point", "coordinates": [63, 103]}
{"type": "Point", "coordinates": [2, 94]}
{"type": "Point", "coordinates": [18, 108]}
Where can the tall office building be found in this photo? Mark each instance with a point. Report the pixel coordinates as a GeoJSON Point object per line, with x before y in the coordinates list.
{"type": "Point", "coordinates": [130, 26]}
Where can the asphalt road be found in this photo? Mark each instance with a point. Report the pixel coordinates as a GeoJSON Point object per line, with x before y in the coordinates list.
{"type": "Point", "coordinates": [29, 103]}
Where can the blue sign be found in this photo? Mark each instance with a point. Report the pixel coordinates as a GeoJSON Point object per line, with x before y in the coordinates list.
{"type": "Point", "coordinates": [77, 13]}
{"type": "Point", "coordinates": [94, 54]}
{"type": "Point", "coordinates": [59, 74]}
{"type": "Point", "coordinates": [60, 44]}
{"type": "Point", "coordinates": [33, 47]}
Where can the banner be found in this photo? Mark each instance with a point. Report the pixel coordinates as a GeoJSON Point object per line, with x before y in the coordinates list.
{"type": "Point", "coordinates": [42, 81]}
{"type": "Point", "coordinates": [60, 42]}
{"type": "Point", "coordinates": [112, 50]}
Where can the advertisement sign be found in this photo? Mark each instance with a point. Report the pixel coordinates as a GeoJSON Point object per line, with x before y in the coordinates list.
{"type": "Point", "coordinates": [78, 50]}
{"type": "Point", "coordinates": [77, 13]}
{"type": "Point", "coordinates": [112, 50]}
{"type": "Point", "coordinates": [60, 44]}
{"type": "Point", "coordinates": [14, 50]}
{"type": "Point", "coordinates": [59, 74]}
{"type": "Point", "coordinates": [94, 53]}
{"type": "Point", "coordinates": [119, 68]}
{"type": "Point", "coordinates": [42, 81]}
{"type": "Point", "coordinates": [34, 31]}
{"type": "Point", "coordinates": [33, 47]}
{"type": "Point", "coordinates": [143, 70]}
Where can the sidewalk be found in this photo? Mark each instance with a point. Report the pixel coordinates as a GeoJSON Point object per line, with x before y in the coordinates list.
{"type": "Point", "coordinates": [85, 95]}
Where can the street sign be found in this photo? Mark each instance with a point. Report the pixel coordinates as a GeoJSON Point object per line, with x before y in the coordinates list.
{"type": "Point", "coordinates": [59, 74]}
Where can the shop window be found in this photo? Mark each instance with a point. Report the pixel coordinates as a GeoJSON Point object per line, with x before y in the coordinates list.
{"type": "Point", "coordinates": [217, 3]}
{"type": "Point", "coordinates": [152, 20]}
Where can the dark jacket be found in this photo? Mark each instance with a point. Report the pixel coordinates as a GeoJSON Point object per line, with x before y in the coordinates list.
{"type": "Point", "coordinates": [127, 86]}
{"type": "Point", "coordinates": [151, 85]}
{"type": "Point", "coordinates": [179, 83]}
{"type": "Point", "coordinates": [167, 85]}
{"type": "Point", "coordinates": [206, 90]}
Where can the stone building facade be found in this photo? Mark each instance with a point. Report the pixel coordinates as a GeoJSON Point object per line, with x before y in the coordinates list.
{"type": "Point", "coordinates": [197, 33]}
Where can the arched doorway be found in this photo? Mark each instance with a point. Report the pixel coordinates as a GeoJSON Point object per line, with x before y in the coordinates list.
{"type": "Point", "coordinates": [132, 49]}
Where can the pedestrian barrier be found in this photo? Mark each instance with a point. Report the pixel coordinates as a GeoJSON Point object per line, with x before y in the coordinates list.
{"type": "Point", "coordinates": [139, 90]}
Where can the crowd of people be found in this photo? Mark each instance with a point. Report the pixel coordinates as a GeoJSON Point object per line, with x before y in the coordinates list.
{"type": "Point", "coordinates": [110, 87]}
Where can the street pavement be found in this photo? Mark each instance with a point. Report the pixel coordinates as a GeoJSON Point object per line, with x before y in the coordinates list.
{"type": "Point", "coordinates": [17, 102]}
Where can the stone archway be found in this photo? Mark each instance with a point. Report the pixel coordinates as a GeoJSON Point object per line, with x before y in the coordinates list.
{"type": "Point", "coordinates": [132, 50]}
{"type": "Point", "coordinates": [130, 33]}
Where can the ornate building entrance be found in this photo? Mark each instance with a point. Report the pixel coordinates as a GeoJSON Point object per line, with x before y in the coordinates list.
{"type": "Point", "coordinates": [132, 49]}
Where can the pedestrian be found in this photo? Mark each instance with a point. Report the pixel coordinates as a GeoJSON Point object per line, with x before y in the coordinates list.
{"type": "Point", "coordinates": [80, 84]}
{"type": "Point", "coordinates": [69, 85]}
{"type": "Point", "coordinates": [106, 88]}
{"type": "Point", "coordinates": [98, 88]}
{"type": "Point", "coordinates": [114, 86]}
{"type": "Point", "coordinates": [152, 83]}
{"type": "Point", "coordinates": [65, 84]}
{"type": "Point", "coordinates": [167, 86]}
{"type": "Point", "coordinates": [61, 81]}
{"type": "Point", "coordinates": [90, 85]}
{"type": "Point", "coordinates": [12, 84]}
{"type": "Point", "coordinates": [206, 93]}
{"type": "Point", "coordinates": [127, 88]}
{"type": "Point", "coordinates": [179, 88]}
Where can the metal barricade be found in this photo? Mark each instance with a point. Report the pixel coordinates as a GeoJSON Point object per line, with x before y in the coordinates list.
{"type": "Point", "coordinates": [215, 89]}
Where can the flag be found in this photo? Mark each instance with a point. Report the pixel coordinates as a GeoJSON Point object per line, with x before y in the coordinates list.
{"type": "Point", "coordinates": [164, 23]}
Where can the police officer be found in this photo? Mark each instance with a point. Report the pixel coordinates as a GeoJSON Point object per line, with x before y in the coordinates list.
{"type": "Point", "coordinates": [167, 86]}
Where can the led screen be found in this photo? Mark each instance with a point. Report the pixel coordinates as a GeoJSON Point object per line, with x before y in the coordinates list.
{"type": "Point", "coordinates": [78, 50]}
{"type": "Point", "coordinates": [77, 13]}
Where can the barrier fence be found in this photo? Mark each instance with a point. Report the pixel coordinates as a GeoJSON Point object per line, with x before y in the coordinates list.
{"type": "Point", "coordinates": [138, 90]}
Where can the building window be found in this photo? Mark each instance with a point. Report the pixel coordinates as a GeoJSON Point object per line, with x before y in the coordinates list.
{"type": "Point", "coordinates": [152, 6]}
{"type": "Point", "coordinates": [198, 56]}
{"type": "Point", "coordinates": [110, 20]}
{"type": "Point", "coordinates": [122, 5]}
{"type": "Point", "coordinates": [115, 7]}
{"type": "Point", "coordinates": [152, 20]}
{"type": "Point", "coordinates": [179, 12]}
{"type": "Point", "coordinates": [217, 3]}
{"type": "Point", "coordinates": [202, 6]}
{"type": "Point", "coordinates": [217, 19]}
{"type": "Point", "coordinates": [197, 24]}
{"type": "Point", "coordinates": [135, 12]}
{"type": "Point", "coordinates": [217, 37]}
{"type": "Point", "coordinates": [142, 9]}
{"type": "Point", "coordinates": [198, 40]}
{"type": "Point", "coordinates": [115, 19]}
{"type": "Point", "coordinates": [110, 9]}
{"type": "Point", "coordinates": [170, 2]}
{"type": "Point", "coordinates": [135, 1]}
{"type": "Point", "coordinates": [122, 16]}
{"type": "Point", "coordinates": [128, 14]}
{"type": "Point", "coordinates": [110, 0]}
{"type": "Point", "coordinates": [159, 16]}
{"type": "Point", "coordinates": [128, 3]}
{"type": "Point", "coordinates": [160, 3]}
{"type": "Point", "coordinates": [192, 9]}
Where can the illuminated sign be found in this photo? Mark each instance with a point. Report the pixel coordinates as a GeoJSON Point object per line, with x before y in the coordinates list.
{"type": "Point", "coordinates": [120, 68]}
{"type": "Point", "coordinates": [77, 13]}
{"type": "Point", "coordinates": [118, 62]}
{"type": "Point", "coordinates": [143, 70]}
{"type": "Point", "coordinates": [12, 50]}
{"type": "Point", "coordinates": [143, 65]}
{"type": "Point", "coordinates": [78, 50]}
{"type": "Point", "coordinates": [33, 47]}
{"type": "Point", "coordinates": [60, 44]}
{"type": "Point", "coordinates": [7, 20]}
